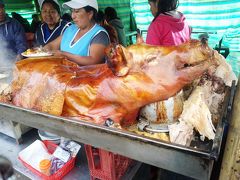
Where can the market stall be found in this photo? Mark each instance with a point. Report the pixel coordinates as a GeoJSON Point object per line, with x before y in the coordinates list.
{"type": "Point", "coordinates": [196, 161]}
{"type": "Point", "coordinates": [39, 103]}
{"type": "Point", "coordinates": [42, 95]}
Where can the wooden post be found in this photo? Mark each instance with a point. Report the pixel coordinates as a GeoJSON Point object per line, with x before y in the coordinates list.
{"type": "Point", "coordinates": [230, 168]}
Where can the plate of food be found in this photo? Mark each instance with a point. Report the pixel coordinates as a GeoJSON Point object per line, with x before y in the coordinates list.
{"type": "Point", "coordinates": [36, 52]}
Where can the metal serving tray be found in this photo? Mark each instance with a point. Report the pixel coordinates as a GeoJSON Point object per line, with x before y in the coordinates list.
{"type": "Point", "coordinates": [196, 161]}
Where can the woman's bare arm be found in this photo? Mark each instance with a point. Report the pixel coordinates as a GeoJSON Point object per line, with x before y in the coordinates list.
{"type": "Point", "coordinates": [96, 55]}
{"type": "Point", "coordinates": [53, 45]}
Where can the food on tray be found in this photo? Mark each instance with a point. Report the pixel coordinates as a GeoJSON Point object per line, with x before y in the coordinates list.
{"type": "Point", "coordinates": [197, 114]}
{"type": "Point", "coordinates": [138, 75]}
{"type": "Point", "coordinates": [202, 109]}
{"type": "Point", "coordinates": [132, 78]}
{"type": "Point", "coordinates": [36, 52]}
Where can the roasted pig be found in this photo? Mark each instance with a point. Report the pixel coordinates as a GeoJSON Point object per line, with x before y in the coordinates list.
{"type": "Point", "coordinates": [132, 77]}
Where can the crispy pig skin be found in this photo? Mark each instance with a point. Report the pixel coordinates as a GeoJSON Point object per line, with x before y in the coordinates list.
{"type": "Point", "coordinates": [132, 77]}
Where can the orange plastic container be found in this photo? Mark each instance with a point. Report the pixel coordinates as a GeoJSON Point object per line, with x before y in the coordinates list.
{"type": "Point", "coordinates": [58, 175]}
{"type": "Point", "coordinates": [106, 165]}
{"type": "Point", "coordinates": [45, 166]}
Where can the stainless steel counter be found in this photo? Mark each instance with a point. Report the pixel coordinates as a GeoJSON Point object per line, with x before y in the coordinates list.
{"type": "Point", "coordinates": [192, 162]}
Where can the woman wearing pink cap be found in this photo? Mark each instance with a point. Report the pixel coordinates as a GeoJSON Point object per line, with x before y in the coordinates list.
{"type": "Point", "coordinates": [84, 41]}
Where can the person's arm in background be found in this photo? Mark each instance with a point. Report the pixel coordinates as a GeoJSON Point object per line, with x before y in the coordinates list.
{"type": "Point", "coordinates": [20, 39]}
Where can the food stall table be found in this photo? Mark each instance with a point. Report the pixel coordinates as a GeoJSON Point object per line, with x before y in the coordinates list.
{"type": "Point", "coordinates": [10, 128]}
{"type": "Point", "coordinates": [189, 161]}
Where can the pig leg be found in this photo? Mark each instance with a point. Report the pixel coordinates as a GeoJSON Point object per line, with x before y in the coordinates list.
{"type": "Point", "coordinates": [111, 110]}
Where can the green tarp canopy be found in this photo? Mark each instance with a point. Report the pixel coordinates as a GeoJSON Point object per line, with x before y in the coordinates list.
{"type": "Point", "coordinates": [221, 18]}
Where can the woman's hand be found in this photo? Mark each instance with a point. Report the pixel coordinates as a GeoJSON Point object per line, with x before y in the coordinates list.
{"type": "Point", "coordinates": [53, 45]}
{"type": "Point", "coordinates": [58, 53]}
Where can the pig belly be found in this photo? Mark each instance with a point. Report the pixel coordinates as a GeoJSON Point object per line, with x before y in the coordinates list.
{"type": "Point", "coordinates": [164, 112]}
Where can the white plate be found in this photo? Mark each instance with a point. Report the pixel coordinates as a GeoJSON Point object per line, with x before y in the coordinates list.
{"type": "Point", "coordinates": [43, 54]}
{"type": "Point", "coordinates": [49, 136]}
{"type": "Point", "coordinates": [3, 76]}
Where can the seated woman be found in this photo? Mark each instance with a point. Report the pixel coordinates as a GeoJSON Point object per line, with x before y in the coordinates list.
{"type": "Point", "coordinates": [52, 25]}
{"type": "Point", "coordinates": [84, 41]}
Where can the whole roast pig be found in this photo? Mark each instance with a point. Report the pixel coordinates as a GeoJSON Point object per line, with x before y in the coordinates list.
{"type": "Point", "coordinates": [131, 78]}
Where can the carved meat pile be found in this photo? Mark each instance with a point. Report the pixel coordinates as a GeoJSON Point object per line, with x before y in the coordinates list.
{"type": "Point", "coordinates": [133, 77]}
{"type": "Point", "coordinates": [203, 108]}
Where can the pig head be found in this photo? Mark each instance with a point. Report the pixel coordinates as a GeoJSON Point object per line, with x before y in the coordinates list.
{"type": "Point", "coordinates": [133, 77]}
{"type": "Point", "coordinates": [168, 69]}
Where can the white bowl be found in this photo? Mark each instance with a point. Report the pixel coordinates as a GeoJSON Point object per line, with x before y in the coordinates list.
{"type": "Point", "coordinates": [49, 136]}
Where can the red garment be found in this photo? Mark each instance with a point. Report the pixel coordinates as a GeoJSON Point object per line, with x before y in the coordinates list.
{"type": "Point", "coordinates": [166, 30]}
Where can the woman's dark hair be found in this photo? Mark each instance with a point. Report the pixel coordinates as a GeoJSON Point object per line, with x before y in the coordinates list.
{"type": "Point", "coordinates": [24, 22]}
{"type": "Point", "coordinates": [67, 17]}
{"type": "Point", "coordinates": [100, 17]}
{"type": "Point", "coordinates": [54, 4]}
{"type": "Point", "coordinates": [88, 9]}
{"type": "Point", "coordinates": [165, 6]}
{"type": "Point", "coordinates": [110, 13]}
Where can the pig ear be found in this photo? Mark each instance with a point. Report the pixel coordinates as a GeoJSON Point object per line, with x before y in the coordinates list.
{"type": "Point", "coordinates": [117, 60]}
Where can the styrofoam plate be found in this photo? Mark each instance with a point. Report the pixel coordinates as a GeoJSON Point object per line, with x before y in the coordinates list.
{"type": "Point", "coordinates": [49, 136]}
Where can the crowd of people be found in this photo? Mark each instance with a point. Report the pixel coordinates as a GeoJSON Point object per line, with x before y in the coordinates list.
{"type": "Point", "coordinates": [83, 34]}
